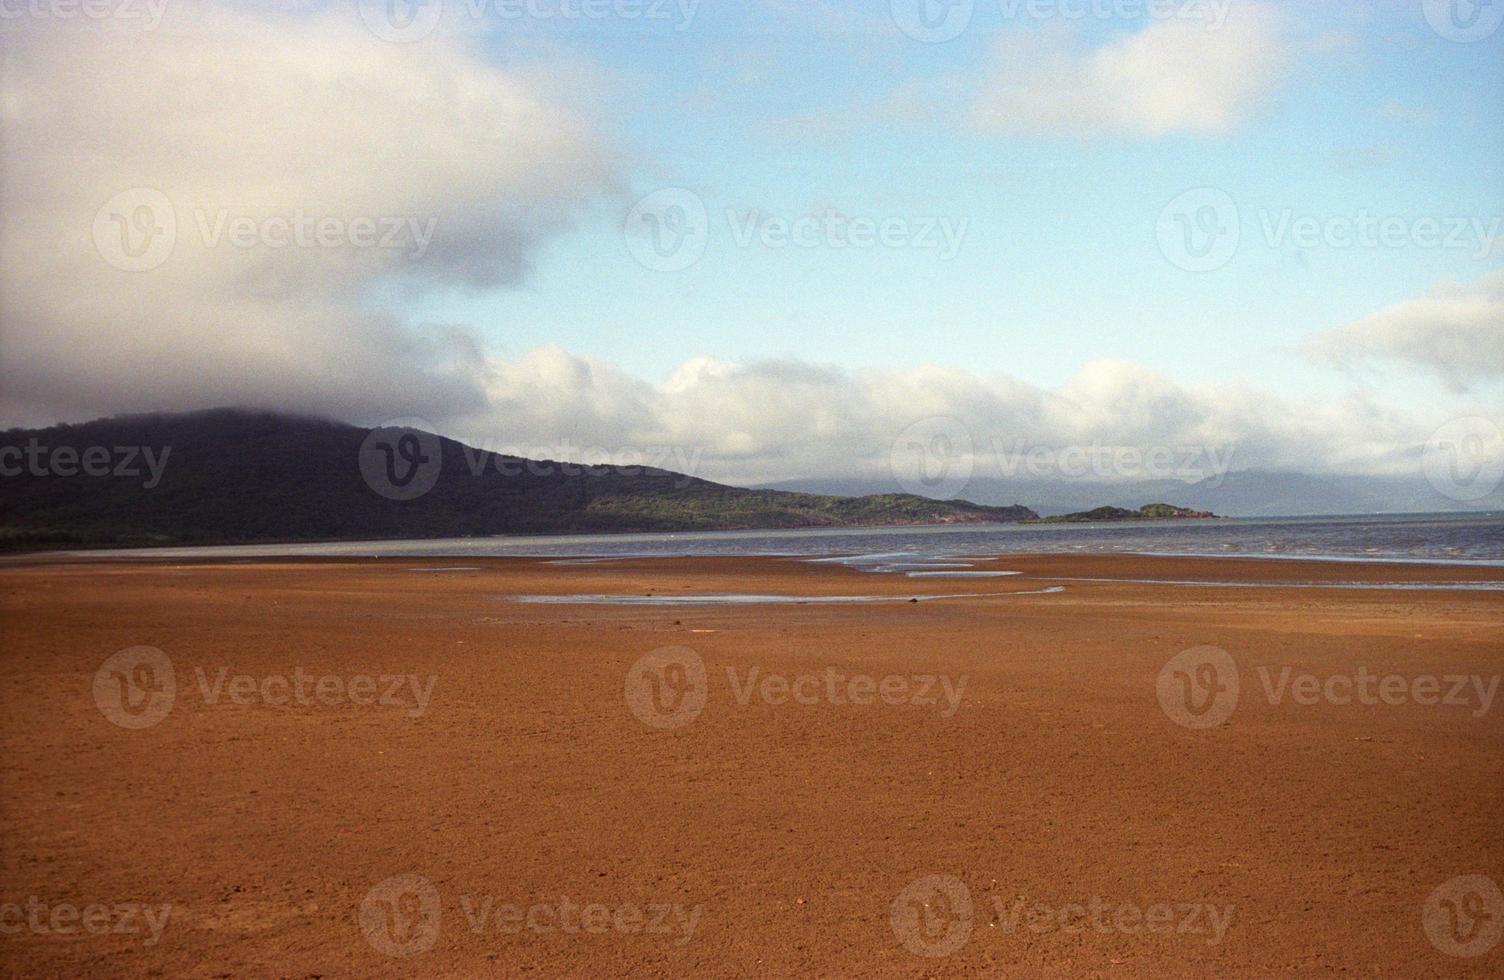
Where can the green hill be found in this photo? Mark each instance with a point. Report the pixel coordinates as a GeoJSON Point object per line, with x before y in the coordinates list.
{"type": "Point", "coordinates": [1149, 512]}
{"type": "Point", "coordinates": [230, 476]}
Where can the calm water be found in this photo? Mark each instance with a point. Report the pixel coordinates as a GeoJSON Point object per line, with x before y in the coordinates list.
{"type": "Point", "coordinates": [1466, 538]}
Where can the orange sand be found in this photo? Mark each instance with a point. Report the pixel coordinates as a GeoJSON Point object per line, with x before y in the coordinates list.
{"type": "Point", "coordinates": [545, 826]}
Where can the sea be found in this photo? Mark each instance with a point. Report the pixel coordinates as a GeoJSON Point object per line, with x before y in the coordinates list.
{"type": "Point", "coordinates": [1468, 539]}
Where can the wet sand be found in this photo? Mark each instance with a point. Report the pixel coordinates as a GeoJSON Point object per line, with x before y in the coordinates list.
{"type": "Point", "coordinates": [986, 784]}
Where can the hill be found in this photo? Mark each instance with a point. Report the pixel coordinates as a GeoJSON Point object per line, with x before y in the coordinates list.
{"type": "Point", "coordinates": [1148, 512]}
{"type": "Point", "coordinates": [231, 476]}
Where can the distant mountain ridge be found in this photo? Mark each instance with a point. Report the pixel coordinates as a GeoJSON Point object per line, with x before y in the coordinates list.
{"type": "Point", "coordinates": [1241, 493]}
{"type": "Point", "coordinates": [233, 476]}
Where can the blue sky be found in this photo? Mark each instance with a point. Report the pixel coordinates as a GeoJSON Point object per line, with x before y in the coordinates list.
{"type": "Point", "coordinates": [1268, 230]}
{"type": "Point", "coordinates": [1372, 110]}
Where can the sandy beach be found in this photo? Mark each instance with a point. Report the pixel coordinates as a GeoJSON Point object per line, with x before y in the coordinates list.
{"type": "Point", "coordinates": [380, 768]}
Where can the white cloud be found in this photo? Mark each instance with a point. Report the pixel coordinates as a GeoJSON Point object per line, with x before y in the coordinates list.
{"type": "Point", "coordinates": [1171, 76]}
{"type": "Point", "coordinates": [1456, 332]}
{"type": "Point", "coordinates": [780, 420]}
{"type": "Point", "coordinates": [233, 113]}
{"type": "Point", "coordinates": [226, 110]}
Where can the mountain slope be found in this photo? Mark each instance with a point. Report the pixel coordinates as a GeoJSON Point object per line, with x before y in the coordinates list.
{"type": "Point", "coordinates": [235, 476]}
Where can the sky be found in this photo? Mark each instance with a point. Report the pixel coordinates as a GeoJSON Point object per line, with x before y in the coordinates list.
{"type": "Point", "coordinates": [779, 236]}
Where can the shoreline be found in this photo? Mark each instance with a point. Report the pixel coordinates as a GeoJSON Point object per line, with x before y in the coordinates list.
{"type": "Point", "coordinates": [1363, 566]}
{"type": "Point", "coordinates": [608, 545]}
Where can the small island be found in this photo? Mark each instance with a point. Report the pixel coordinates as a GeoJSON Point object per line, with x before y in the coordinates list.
{"type": "Point", "coordinates": [1149, 512]}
